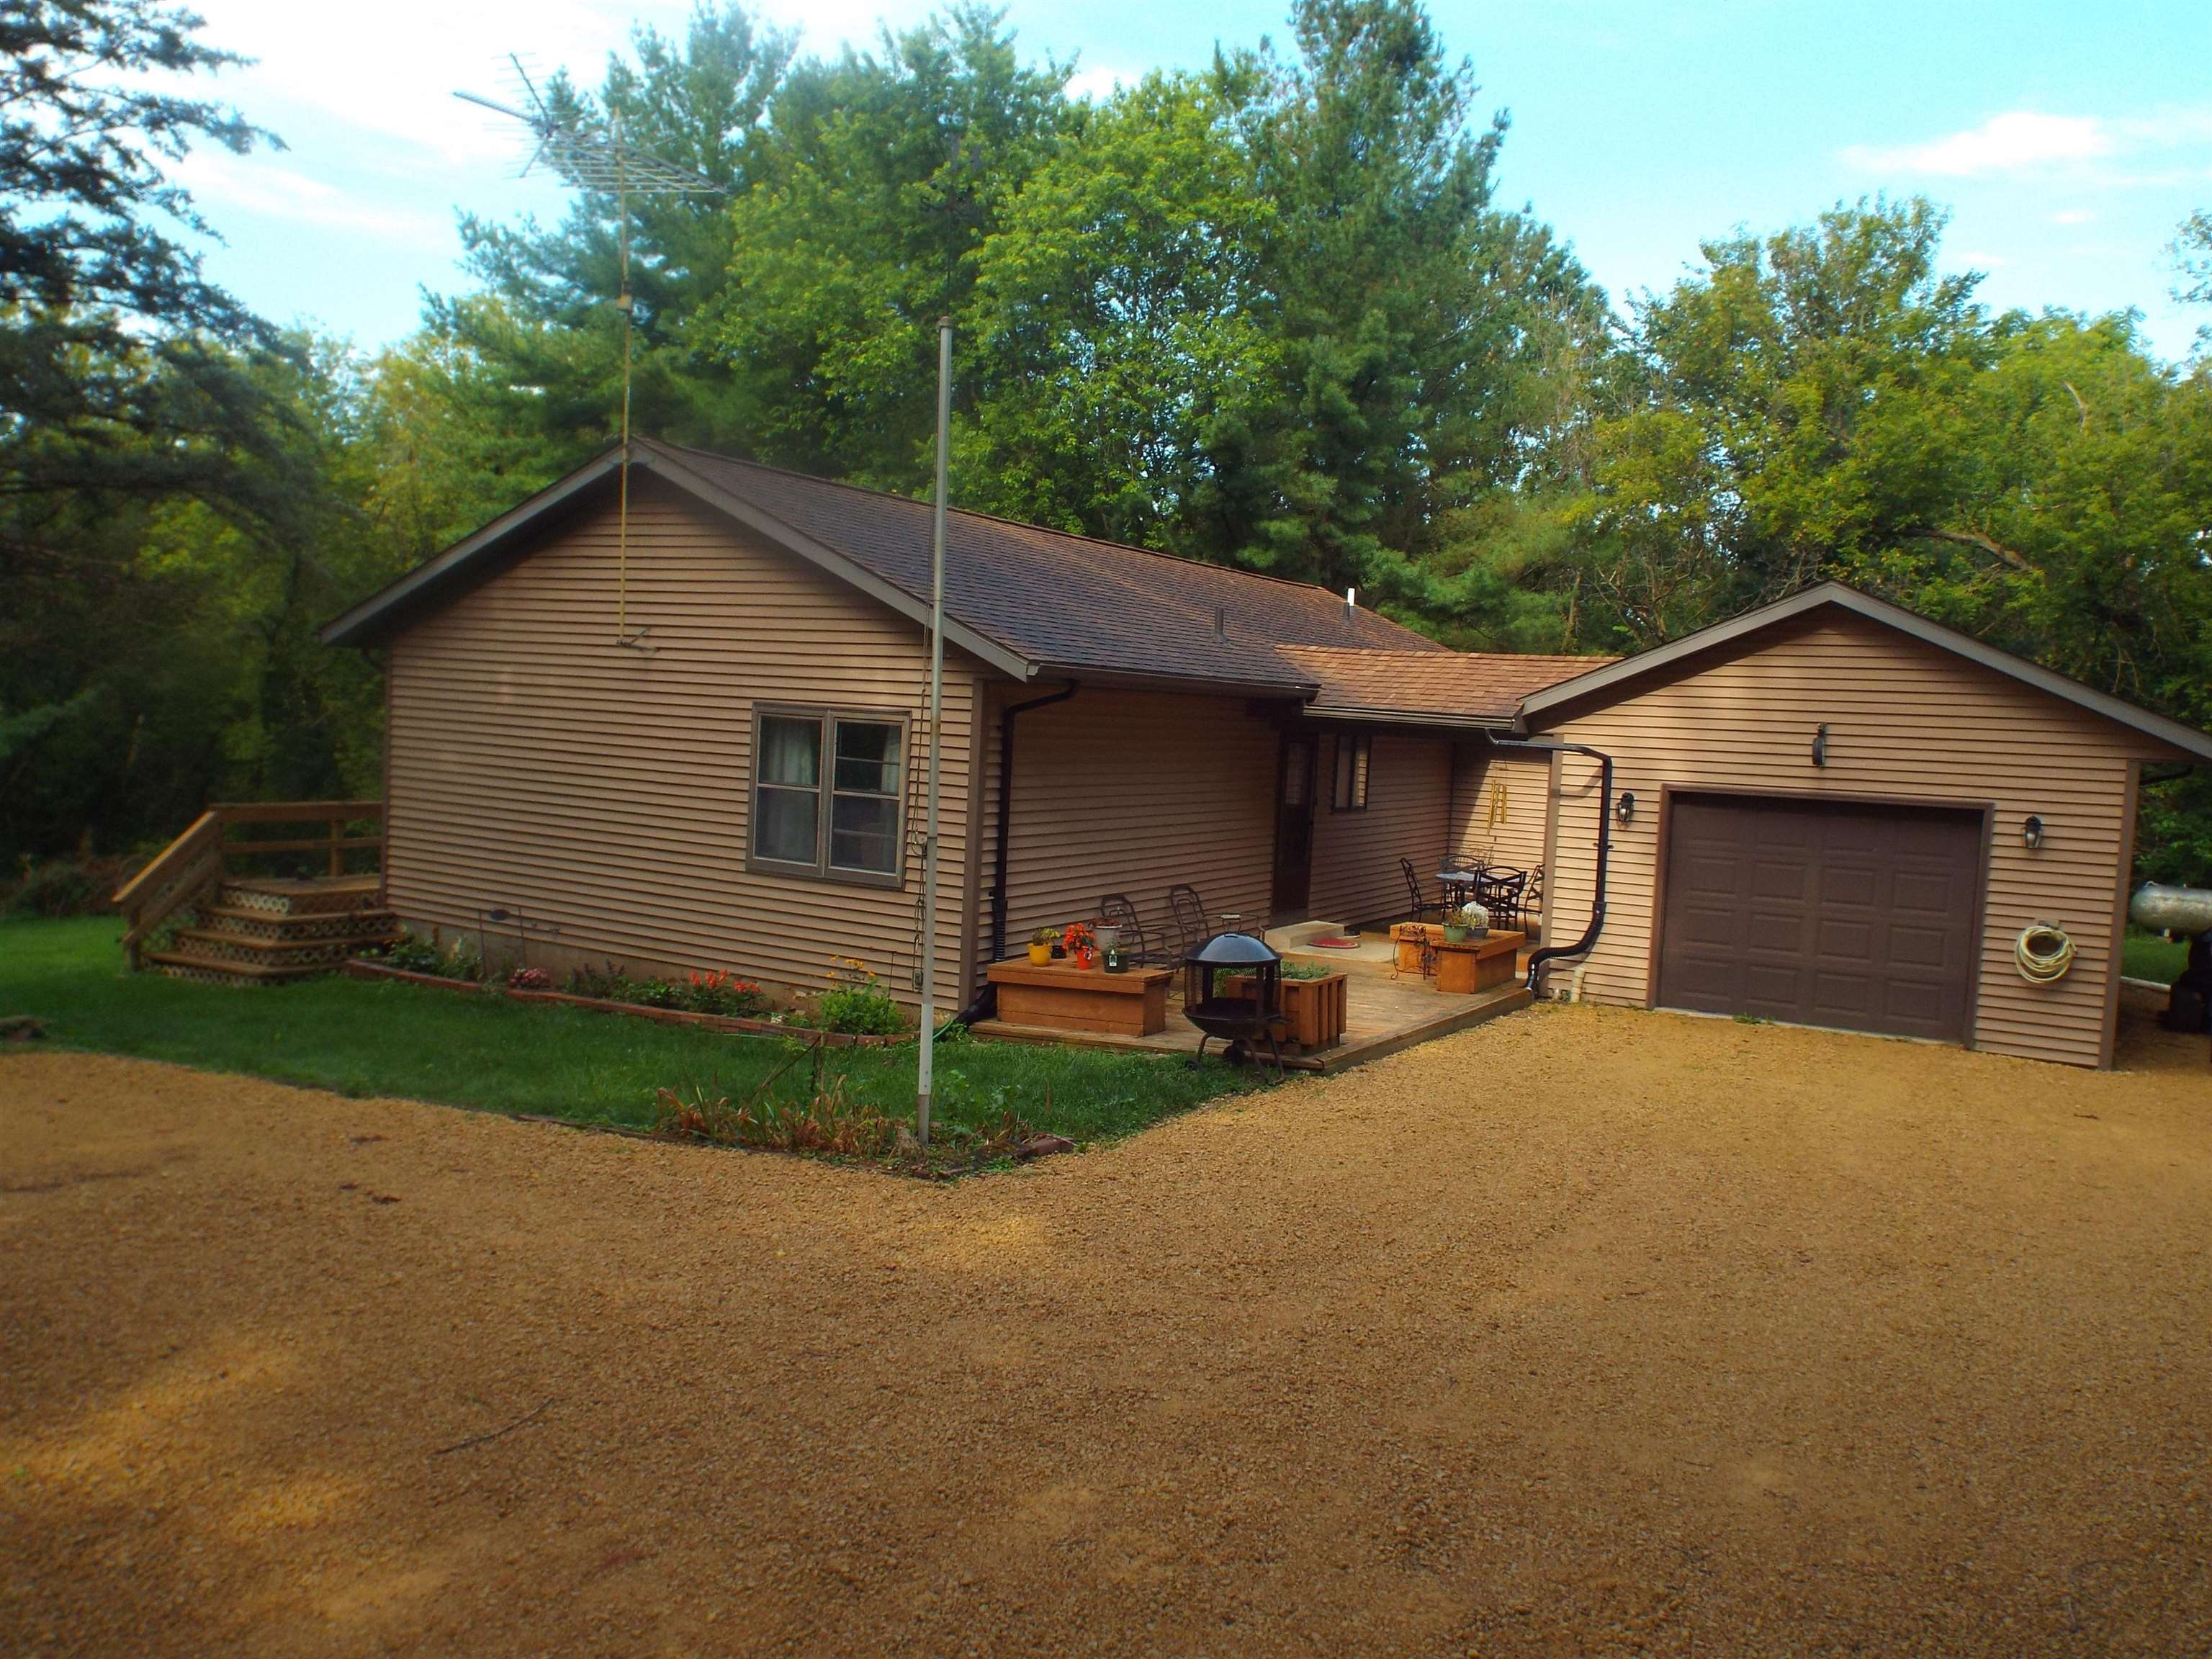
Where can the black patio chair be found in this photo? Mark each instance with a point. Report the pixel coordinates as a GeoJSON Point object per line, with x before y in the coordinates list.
{"type": "Point", "coordinates": [1500, 894]}
{"type": "Point", "coordinates": [1423, 906]}
{"type": "Point", "coordinates": [1116, 911]}
{"type": "Point", "coordinates": [1532, 896]}
{"type": "Point", "coordinates": [1187, 921]}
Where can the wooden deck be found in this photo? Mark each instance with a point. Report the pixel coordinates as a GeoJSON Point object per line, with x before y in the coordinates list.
{"type": "Point", "coordinates": [1387, 1013]}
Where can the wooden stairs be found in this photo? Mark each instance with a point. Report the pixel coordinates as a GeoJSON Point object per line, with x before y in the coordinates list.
{"type": "Point", "coordinates": [267, 930]}
{"type": "Point", "coordinates": [192, 914]}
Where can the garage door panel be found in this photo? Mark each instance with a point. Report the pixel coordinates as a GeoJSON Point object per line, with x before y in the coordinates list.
{"type": "Point", "coordinates": [1838, 940]}
{"type": "Point", "coordinates": [1773, 879]}
{"type": "Point", "coordinates": [1919, 947]}
{"type": "Point", "coordinates": [1822, 913]}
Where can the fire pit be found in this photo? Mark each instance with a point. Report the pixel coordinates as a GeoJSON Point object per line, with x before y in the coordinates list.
{"type": "Point", "coordinates": [1243, 1017]}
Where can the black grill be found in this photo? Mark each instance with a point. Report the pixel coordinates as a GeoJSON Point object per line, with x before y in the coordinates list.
{"type": "Point", "coordinates": [1246, 1012]}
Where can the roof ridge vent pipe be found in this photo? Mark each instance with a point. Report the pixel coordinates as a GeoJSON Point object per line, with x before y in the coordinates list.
{"type": "Point", "coordinates": [987, 1001]}
{"type": "Point", "coordinates": [1351, 602]}
{"type": "Point", "coordinates": [1588, 942]}
{"type": "Point", "coordinates": [1221, 621]}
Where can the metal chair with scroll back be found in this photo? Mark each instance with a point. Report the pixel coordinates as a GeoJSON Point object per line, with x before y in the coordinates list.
{"type": "Point", "coordinates": [1186, 924]}
{"type": "Point", "coordinates": [1421, 907]}
{"type": "Point", "coordinates": [1116, 911]}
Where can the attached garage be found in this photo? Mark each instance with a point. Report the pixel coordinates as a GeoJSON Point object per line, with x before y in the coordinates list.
{"type": "Point", "coordinates": [1833, 812]}
{"type": "Point", "coordinates": [1859, 916]}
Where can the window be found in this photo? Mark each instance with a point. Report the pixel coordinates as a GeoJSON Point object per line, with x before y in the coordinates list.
{"type": "Point", "coordinates": [1353, 760]}
{"type": "Point", "coordinates": [826, 794]}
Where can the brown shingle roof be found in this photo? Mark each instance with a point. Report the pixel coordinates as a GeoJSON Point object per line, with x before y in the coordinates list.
{"type": "Point", "coordinates": [1068, 601]}
{"type": "Point", "coordinates": [1033, 601]}
{"type": "Point", "coordinates": [1474, 688]}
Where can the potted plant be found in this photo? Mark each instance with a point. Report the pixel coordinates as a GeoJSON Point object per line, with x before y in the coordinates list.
{"type": "Point", "coordinates": [1041, 944]}
{"type": "Point", "coordinates": [1470, 922]}
{"type": "Point", "coordinates": [1081, 944]}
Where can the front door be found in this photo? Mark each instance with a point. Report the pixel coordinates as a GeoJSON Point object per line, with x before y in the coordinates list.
{"type": "Point", "coordinates": [1294, 828]}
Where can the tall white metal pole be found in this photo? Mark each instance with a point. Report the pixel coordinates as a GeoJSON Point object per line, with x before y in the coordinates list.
{"type": "Point", "coordinates": [925, 1076]}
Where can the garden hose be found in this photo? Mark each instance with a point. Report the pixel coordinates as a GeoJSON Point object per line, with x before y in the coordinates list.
{"type": "Point", "coordinates": [2044, 953]}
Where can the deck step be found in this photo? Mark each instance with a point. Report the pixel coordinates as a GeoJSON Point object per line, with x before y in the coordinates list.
{"type": "Point", "coordinates": [276, 926]}
{"type": "Point", "coordinates": [211, 945]}
{"type": "Point", "coordinates": [303, 897]}
{"type": "Point", "coordinates": [210, 971]}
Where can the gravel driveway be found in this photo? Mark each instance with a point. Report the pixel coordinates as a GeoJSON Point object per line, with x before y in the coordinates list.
{"type": "Point", "coordinates": [1586, 1331]}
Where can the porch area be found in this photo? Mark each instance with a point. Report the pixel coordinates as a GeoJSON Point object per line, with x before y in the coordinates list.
{"type": "Point", "coordinates": [1386, 1009]}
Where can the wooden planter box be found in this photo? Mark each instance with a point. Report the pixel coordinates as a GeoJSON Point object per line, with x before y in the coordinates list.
{"type": "Point", "coordinates": [1063, 997]}
{"type": "Point", "coordinates": [1407, 936]}
{"type": "Point", "coordinates": [1477, 964]}
{"type": "Point", "coordinates": [1314, 1010]}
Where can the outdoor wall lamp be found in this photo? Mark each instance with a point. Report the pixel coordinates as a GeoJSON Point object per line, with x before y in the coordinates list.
{"type": "Point", "coordinates": [1625, 808]}
{"type": "Point", "coordinates": [1820, 745]}
{"type": "Point", "coordinates": [2031, 832]}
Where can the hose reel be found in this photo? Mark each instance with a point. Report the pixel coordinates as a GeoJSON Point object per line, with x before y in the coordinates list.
{"type": "Point", "coordinates": [2044, 953]}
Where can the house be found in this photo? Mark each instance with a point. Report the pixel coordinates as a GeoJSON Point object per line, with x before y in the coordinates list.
{"type": "Point", "coordinates": [689, 733]}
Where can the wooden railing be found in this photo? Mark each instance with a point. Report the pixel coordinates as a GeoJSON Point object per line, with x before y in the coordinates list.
{"type": "Point", "coordinates": [194, 865]}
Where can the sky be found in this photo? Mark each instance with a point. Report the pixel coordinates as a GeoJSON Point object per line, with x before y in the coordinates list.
{"type": "Point", "coordinates": [2068, 141]}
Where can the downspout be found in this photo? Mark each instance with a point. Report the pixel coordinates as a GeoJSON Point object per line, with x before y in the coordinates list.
{"type": "Point", "coordinates": [1588, 942]}
{"type": "Point", "coordinates": [987, 999]}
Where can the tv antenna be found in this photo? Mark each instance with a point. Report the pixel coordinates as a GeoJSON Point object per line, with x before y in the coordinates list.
{"type": "Point", "coordinates": [602, 163]}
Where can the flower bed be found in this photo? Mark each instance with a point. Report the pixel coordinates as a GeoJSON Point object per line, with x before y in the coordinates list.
{"type": "Point", "coordinates": [358, 968]}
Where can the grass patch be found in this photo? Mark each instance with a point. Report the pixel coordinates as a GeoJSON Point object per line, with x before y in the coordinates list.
{"type": "Point", "coordinates": [379, 1037]}
{"type": "Point", "coordinates": [2153, 956]}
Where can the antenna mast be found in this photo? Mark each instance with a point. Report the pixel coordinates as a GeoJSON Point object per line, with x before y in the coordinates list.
{"type": "Point", "coordinates": [603, 164]}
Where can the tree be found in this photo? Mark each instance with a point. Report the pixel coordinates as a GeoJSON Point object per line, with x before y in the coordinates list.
{"type": "Point", "coordinates": [1827, 403]}
{"type": "Point", "coordinates": [1118, 324]}
{"type": "Point", "coordinates": [132, 391]}
{"type": "Point", "coordinates": [888, 174]}
{"type": "Point", "coordinates": [544, 318]}
{"type": "Point", "coordinates": [2191, 254]}
{"type": "Point", "coordinates": [108, 329]}
{"type": "Point", "coordinates": [1410, 315]}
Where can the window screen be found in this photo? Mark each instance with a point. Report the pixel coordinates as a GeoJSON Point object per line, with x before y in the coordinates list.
{"type": "Point", "coordinates": [1352, 762]}
{"type": "Point", "coordinates": [864, 804]}
{"type": "Point", "coordinates": [787, 798]}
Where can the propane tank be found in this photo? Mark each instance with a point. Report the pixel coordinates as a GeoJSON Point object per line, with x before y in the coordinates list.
{"type": "Point", "coordinates": [2178, 910]}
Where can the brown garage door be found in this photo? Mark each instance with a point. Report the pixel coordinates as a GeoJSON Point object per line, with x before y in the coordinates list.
{"type": "Point", "coordinates": [1859, 917]}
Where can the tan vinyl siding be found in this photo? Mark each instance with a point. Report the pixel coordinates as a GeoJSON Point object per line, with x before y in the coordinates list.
{"type": "Point", "coordinates": [604, 790]}
{"type": "Point", "coordinates": [1906, 722]}
{"type": "Point", "coordinates": [1130, 792]}
{"type": "Point", "coordinates": [1519, 787]}
{"type": "Point", "coordinates": [1355, 864]}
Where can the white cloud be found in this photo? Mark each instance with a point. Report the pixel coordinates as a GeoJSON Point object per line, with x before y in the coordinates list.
{"type": "Point", "coordinates": [256, 184]}
{"type": "Point", "coordinates": [2073, 217]}
{"type": "Point", "coordinates": [1100, 82]}
{"type": "Point", "coordinates": [2014, 142]}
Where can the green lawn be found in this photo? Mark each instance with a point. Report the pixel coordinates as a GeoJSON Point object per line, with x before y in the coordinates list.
{"type": "Point", "coordinates": [366, 1038]}
{"type": "Point", "coordinates": [2152, 956]}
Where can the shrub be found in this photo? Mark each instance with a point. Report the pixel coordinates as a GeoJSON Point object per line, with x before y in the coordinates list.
{"type": "Point", "coordinates": [724, 993]}
{"type": "Point", "coordinates": [654, 994]}
{"type": "Point", "coordinates": [411, 955]}
{"type": "Point", "coordinates": [529, 979]}
{"type": "Point", "coordinates": [608, 982]}
{"type": "Point", "coordinates": [856, 1003]}
{"type": "Point", "coordinates": [859, 1010]}
{"type": "Point", "coordinates": [1308, 970]}
{"type": "Point", "coordinates": [76, 886]}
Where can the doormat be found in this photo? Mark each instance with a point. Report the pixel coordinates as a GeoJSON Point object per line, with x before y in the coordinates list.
{"type": "Point", "coordinates": [1333, 942]}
